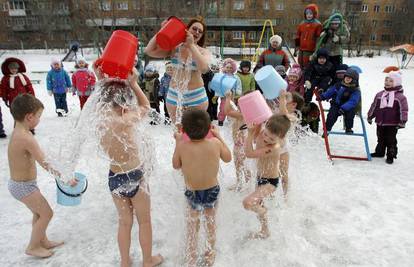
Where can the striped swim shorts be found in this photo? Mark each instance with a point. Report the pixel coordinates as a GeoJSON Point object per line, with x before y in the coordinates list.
{"type": "Point", "coordinates": [190, 98]}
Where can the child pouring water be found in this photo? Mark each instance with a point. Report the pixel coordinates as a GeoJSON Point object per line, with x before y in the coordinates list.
{"type": "Point", "coordinates": [23, 151]}
{"type": "Point", "coordinates": [199, 159]}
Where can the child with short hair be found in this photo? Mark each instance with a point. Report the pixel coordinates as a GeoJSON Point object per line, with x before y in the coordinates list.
{"type": "Point", "coordinates": [199, 160]}
{"type": "Point", "coordinates": [125, 179]}
{"type": "Point", "coordinates": [83, 81]}
{"type": "Point", "coordinates": [390, 110]}
{"type": "Point", "coordinates": [164, 85]}
{"type": "Point", "coordinates": [268, 140]}
{"type": "Point", "coordinates": [23, 151]}
{"type": "Point", "coordinates": [346, 100]}
{"type": "Point", "coordinates": [239, 135]}
{"type": "Point", "coordinates": [229, 68]}
{"type": "Point", "coordinates": [58, 84]}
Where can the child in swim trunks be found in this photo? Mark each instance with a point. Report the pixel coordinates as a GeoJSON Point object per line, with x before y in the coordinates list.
{"type": "Point", "coordinates": [239, 133]}
{"type": "Point", "coordinates": [199, 161]}
{"type": "Point", "coordinates": [123, 104]}
{"type": "Point", "coordinates": [23, 151]}
{"type": "Point", "coordinates": [268, 141]}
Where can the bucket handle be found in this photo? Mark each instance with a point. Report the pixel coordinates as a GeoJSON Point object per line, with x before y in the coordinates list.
{"type": "Point", "coordinates": [72, 195]}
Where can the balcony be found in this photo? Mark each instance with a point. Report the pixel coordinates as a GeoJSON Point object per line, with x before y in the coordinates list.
{"type": "Point", "coordinates": [17, 12]}
{"type": "Point", "coordinates": [25, 28]}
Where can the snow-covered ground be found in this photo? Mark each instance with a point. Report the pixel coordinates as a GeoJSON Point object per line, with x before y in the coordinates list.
{"type": "Point", "coordinates": [352, 213]}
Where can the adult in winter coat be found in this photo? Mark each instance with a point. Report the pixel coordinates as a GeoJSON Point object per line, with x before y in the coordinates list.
{"type": "Point", "coordinates": [334, 36]}
{"type": "Point", "coordinates": [58, 84]}
{"type": "Point", "coordinates": [14, 81]}
{"type": "Point", "coordinates": [307, 34]}
{"type": "Point", "coordinates": [390, 110]}
{"type": "Point", "coordinates": [274, 55]}
{"type": "Point", "coordinates": [83, 81]}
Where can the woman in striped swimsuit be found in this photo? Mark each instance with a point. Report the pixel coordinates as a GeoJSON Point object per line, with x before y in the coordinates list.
{"type": "Point", "coordinates": [194, 94]}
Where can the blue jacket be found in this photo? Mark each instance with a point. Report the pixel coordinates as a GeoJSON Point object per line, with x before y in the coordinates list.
{"type": "Point", "coordinates": [57, 81]}
{"type": "Point", "coordinates": [165, 84]}
{"type": "Point", "coordinates": [347, 98]}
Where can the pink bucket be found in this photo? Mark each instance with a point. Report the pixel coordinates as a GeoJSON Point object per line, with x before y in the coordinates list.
{"type": "Point", "coordinates": [254, 108]}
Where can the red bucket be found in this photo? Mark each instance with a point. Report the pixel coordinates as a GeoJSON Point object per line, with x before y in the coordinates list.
{"type": "Point", "coordinates": [172, 34]}
{"type": "Point", "coordinates": [119, 54]}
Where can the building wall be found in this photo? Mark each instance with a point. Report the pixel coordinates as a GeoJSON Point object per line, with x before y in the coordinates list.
{"type": "Point", "coordinates": [92, 21]}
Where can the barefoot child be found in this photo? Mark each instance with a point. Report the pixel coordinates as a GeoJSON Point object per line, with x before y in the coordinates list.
{"type": "Point", "coordinates": [239, 136]}
{"type": "Point", "coordinates": [23, 151]}
{"type": "Point", "coordinates": [199, 160]}
{"type": "Point", "coordinates": [268, 140]}
{"type": "Point", "coordinates": [126, 174]}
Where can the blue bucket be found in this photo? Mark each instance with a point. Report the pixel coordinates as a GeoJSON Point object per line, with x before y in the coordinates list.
{"type": "Point", "coordinates": [71, 195]}
{"type": "Point", "coordinates": [270, 82]}
{"type": "Point", "coordinates": [356, 68]}
{"type": "Point", "coordinates": [222, 83]}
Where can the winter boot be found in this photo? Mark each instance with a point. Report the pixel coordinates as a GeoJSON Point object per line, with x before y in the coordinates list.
{"type": "Point", "coordinates": [389, 160]}
{"type": "Point", "coordinates": [349, 131]}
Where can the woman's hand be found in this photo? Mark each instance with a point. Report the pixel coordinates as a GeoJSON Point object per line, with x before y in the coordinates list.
{"type": "Point", "coordinates": [189, 40]}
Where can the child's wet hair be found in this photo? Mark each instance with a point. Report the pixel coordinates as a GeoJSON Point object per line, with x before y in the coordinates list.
{"type": "Point", "coordinates": [278, 125]}
{"type": "Point", "coordinates": [25, 104]}
{"type": "Point", "coordinates": [196, 123]}
{"type": "Point", "coordinates": [298, 99]}
{"type": "Point", "coordinates": [118, 93]}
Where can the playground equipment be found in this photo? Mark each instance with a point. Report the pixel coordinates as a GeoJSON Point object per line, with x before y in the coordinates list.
{"type": "Point", "coordinates": [405, 50]}
{"type": "Point", "coordinates": [326, 137]}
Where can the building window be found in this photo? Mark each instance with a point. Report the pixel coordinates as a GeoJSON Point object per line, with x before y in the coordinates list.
{"type": "Point", "coordinates": [238, 5]}
{"type": "Point", "coordinates": [16, 4]}
{"type": "Point", "coordinates": [122, 5]}
{"type": "Point", "coordinates": [280, 6]}
{"type": "Point", "coordinates": [237, 35]}
{"type": "Point", "coordinates": [211, 35]}
{"type": "Point", "coordinates": [135, 4]}
{"type": "Point", "coordinates": [278, 21]}
{"type": "Point", "coordinates": [252, 35]}
{"type": "Point", "coordinates": [63, 6]}
{"type": "Point", "coordinates": [387, 23]}
{"type": "Point", "coordinates": [374, 23]}
{"type": "Point", "coordinates": [364, 8]}
{"type": "Point", "coordinates": [404, 10]}
{"type": "Point", "coordinates": [376, 8]}
{"type": "Point", "coordinates": [389, 9]}
{"type": "Point", "coordinates": [373, 37]}
{"type": "Point", "coordinates": [105, 6]}
{"type": "Point", "coordinates": [8, 21]}
{"type": "Point", "coordinates": [295, 21]}
{"type": "Point", "coordinates": [266, 5]}
{"type": "Point", "coordinates": [385, 37]}
{"type": "Point", "coordinates": [5, 7]}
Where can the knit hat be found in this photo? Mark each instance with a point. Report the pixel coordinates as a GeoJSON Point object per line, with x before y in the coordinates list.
{"type": "Point", "coordinates": [350, 72]}
{"type": "Point", "coordinates": [13, 65]}
{"type": "Point", "coordinates": [341, 69]}
{"type": "Point", "coordinates": [322, 52]}
{"type": "Point", "coordinates": [313, 8]}
{"type": "Point", "coordinates": [80, 59]}
{"type": "Point", "coordinates": [245, 64]}
{"type": "Point", "coordinates": [150, 68]}
{"type": "Point", "coordinates": [54, 61]}
{"type": "Point", "coordinates": [396, 78]}
{"type": "Point", "coordinates": [232, 62]}
{"type": "Point", "coordinates": [295, 71]}
{"type": "Point", "coordinates": [336, 19]}
{"type": "Point", "coordinates": [276, 38]}
{"type": "Point", "coordinates": [281, 70]}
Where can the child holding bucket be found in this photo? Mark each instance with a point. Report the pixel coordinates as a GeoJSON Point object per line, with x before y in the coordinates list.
{"type": "Point", "coordinates": [126, 174]}
{"type": "Point", "coordinates": [239, 137]}
{"type": "Point", "coordinates": [23, 151]}
{"type": "Point", "coordinates": [229, 68]}
{"type": "Point", "coordinates": [268, 139]}
{"type": "Point", "coordinates": [186, 81]}
{"type": "Point", "coordinates": [199, 160]}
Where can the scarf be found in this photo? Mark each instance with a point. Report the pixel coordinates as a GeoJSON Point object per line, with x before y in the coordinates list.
{"type": "Point", "coordinates": [387, 99]}
{"type": "Point", "coordinates": [12, 76]}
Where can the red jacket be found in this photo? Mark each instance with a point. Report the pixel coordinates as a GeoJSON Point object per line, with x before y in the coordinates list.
{"type": "Point", "coordinates": [83, 82]}
{"type": "Point", "coordinates": [8, 93]}
{"type": "Point", "coordinates": [308, 31]}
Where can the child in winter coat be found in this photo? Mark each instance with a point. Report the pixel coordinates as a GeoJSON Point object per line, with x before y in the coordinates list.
{"type": "Point", "coordinates": [58, 84]}
{"type": "Point", "coordinates": [307, 34]}
{"type": "Point", "coordinates": [14, 81]}
{"type": "Point", "coordinates": [212, 99]}
{"type": "Point", "coordinates": [164, 85]}
{"type": "Point", "coordinates": [319, 73]}
{"type": "Point", "coordinates": [229, 68]}
{"type": "Point", "coordinates": [346, 101]}
{"type": "Point", "coordinates": [246, 78]}
{"type": "Point", "coordinates": [150, 86]}
{"type": "Point", "coordinates": [295, 80]}
{"type": "Point", "coordinates": [390, 110]}
{"type": "Point", "coordinates": [83, 81]}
